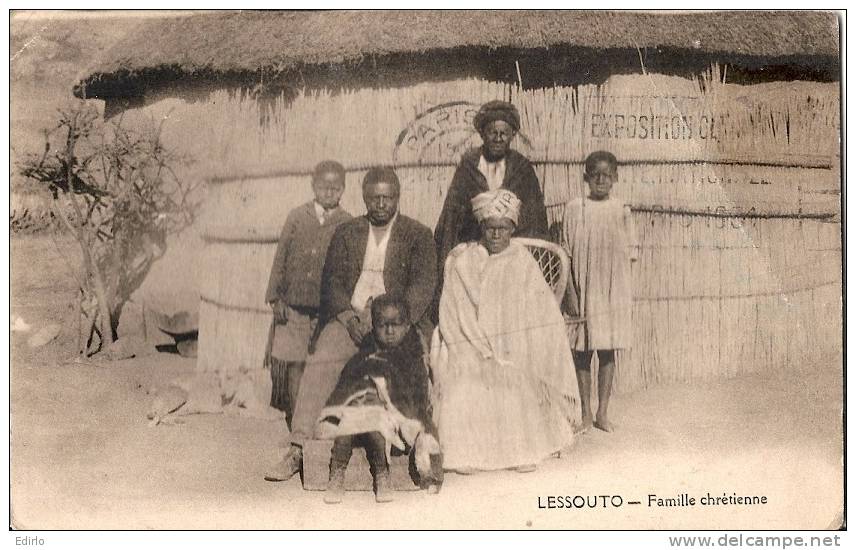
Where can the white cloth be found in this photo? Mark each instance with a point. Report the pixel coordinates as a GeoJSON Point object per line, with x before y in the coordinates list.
{"type": "Point", "coordinates": [506, 392]}
{"type": "Point", "coordinates": [500, 203]}
{"type": "Point", "coordinates": [398, 431]}
{"type": "Point", "coordinates": [493, 172]}
{"type": "Point", "coordinates": [601, 239]}
{"type": "Point", "coordinates": [320, 213]}
{"type": "Point", "coordinates": [370, 283]}
{"type": "Point", "coordinates": [347, 419]}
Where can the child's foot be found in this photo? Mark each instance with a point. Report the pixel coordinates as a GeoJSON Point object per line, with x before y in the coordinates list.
{"type": "Point", "coordinates": [603, 424]}
{"type": "Point", "coordinates": [525, 468]}
{"type": "Point", "coordinates": [433, 489]}
{"type": "Point", "coordinates": [585, 425]}
{"type": "Point", "coordinates": [336, 486]}
{"type": "Point", "coordinates": [334, 496]}
{"type": "Point", "coordinates": [384, 496]}
{"type": "Point", "coordinates": [383, 489]}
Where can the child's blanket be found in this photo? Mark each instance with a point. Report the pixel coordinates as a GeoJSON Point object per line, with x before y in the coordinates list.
{"type": "Point", "coordinates": [385, 391]}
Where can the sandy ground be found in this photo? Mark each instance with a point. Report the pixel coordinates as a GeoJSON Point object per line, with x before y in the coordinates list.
{"type": "Point", "coordinates": [84, 457]}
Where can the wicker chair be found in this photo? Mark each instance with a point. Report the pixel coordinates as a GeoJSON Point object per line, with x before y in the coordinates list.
{"type": "Point", "coordinates": [553, 261]}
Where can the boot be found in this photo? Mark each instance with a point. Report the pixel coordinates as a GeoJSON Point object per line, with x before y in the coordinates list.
{"type": "Point", "coordinates": [379, 466]}
{"type": "Point", "coordinates": [383, 486]}
{"type": "Point", "coordinates": [436, 480]}
{"type": "Point", "coordinates": [288, 466]}
{"type": "Point", "coordinates": [336, 486]}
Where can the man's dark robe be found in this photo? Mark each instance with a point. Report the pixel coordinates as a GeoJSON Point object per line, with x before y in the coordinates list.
{"type": "Point", "coordinates": [457, 223]}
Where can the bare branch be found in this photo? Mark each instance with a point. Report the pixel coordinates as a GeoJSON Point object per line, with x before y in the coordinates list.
{"type": "Point", "coordinates": [117, 193]}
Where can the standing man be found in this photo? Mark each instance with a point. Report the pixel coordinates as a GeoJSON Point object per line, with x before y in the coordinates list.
{"type": "Point", "coordinates": [494, 165]}
{"type": "Point", "coordinates": [294, 289]}
{"type": "Point", "coordinates": [383, 252]}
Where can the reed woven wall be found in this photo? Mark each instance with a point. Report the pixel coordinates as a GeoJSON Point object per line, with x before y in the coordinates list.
{"type": "Point", "coordinates": [734, 190]}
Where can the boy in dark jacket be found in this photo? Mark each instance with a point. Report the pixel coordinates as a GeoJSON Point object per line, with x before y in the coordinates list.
{"type": "Point", "coordinates": [294, 289]}
{"type": "Point", "coordinates": [382, 401]}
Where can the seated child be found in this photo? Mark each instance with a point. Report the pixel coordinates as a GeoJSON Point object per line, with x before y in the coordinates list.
{"type": "Point", "coordinates": [382, 401]}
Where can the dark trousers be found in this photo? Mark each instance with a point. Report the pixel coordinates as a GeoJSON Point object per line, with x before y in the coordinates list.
{"type": "Point", "coordinates": [374, 444]}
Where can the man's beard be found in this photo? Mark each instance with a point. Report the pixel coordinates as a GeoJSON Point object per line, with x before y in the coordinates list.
{"type": "Point", "coordinates": [378, 223]}
{"type": "Point", "coordinates": [493, 157]}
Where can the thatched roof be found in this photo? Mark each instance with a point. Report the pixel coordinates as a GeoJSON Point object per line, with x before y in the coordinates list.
{"type": "Point", "coordinates": [252, 41]}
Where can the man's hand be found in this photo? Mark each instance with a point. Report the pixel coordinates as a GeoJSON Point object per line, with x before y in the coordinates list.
{"type": "Point", "coordinates": [280, 312]}
{"type": "Point", "coordinates": [356, 329]}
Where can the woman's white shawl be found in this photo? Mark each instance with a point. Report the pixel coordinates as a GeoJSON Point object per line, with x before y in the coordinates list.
{"type": "Point", "coordinates": [500, 323]}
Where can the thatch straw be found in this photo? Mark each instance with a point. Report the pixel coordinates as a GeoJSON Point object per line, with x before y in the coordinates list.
{"type": "Point", "coordinates": [559, 126]}
{"type": "Point", "coordinates": [274, 43]}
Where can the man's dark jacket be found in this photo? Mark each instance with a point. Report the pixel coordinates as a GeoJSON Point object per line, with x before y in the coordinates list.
{"type": "Point", "coordinates": [410, 270]}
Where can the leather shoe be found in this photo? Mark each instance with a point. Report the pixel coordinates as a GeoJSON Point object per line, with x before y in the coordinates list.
{"type": "Point", "coordinates": [287, 467]}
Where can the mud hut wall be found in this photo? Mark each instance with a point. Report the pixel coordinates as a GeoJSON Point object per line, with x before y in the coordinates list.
{"type": "Point", "coordinates": [732, 276]}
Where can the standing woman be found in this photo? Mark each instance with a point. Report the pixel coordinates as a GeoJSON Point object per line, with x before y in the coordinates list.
{"type": "Point", "coordinates": [492, 166]}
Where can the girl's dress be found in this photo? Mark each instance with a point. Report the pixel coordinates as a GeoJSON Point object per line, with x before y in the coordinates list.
{"type": "Point", "coordinates": [601, 240]}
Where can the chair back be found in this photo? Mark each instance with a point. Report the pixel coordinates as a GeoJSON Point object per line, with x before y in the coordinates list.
{"type": "Point", "coordinates": [553, 261]}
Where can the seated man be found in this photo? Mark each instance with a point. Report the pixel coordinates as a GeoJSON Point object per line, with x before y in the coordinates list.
{"type": "Point", "coordinates": [381, 252]}
{"type": "Point", "coordinates": [382, 401]}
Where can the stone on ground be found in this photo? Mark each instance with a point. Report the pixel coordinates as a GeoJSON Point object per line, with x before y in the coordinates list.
{"type": "Point", "coordinates": [44, 336]}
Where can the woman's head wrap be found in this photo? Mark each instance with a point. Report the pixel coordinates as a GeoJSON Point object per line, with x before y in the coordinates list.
{"type": "Point", "coordinates": [497, 110]}
{"type": "Point", "coordinates": [499, 203]}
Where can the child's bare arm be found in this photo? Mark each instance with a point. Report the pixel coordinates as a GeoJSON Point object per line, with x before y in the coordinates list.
{"type": "Point", "coordinates": [632, 240]}
{"type": "Point", "coordinates": [571, 301]}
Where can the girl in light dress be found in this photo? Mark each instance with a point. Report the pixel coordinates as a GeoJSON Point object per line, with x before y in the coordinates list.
{"type": "Point", "coordinates": [601, 240]}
